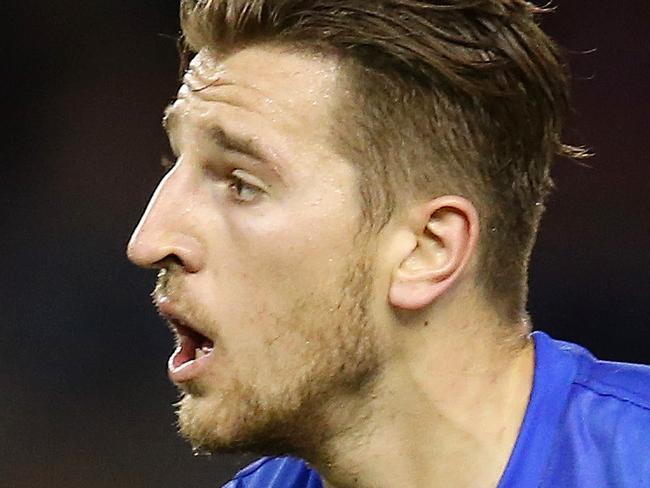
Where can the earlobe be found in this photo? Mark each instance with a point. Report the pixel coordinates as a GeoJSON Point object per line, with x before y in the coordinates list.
{"type": "Point", "coordinates": [446, 235]}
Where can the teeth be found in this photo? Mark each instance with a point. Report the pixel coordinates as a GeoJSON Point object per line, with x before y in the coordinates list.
{"type": "Point", "coordinates": [202, 351]}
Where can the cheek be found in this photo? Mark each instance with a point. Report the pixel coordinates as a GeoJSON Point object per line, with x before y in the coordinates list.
{"type": "Point", "coordinates": [288, 247]}
{"type": "Point", "coordinates": [264, 298]}
{"type": "Point", "coordinates": [269, 259]}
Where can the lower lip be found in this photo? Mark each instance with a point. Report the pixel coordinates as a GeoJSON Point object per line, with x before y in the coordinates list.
{"type": "Point", "coordinates": [187, 371]}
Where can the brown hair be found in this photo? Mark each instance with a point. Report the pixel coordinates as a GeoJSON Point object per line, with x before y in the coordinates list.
{"type": "Point", "coordinates": [442, 96]}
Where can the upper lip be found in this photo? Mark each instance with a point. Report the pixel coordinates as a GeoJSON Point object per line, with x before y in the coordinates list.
{"type": "Point", "coordinates": [188, 341]}
{"type": "Point", "coordinates": [179, 324]}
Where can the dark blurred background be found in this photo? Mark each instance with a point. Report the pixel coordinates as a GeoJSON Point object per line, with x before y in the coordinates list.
{"type": "Point", "coordinates": [85, 398]}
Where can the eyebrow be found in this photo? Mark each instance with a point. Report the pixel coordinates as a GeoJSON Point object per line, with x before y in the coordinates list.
{"type": "Point", "coordinates": [228, 141]}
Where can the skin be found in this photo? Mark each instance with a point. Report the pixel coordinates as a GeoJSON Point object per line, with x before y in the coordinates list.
{"type": "Point", "coordinates": [374, 357]}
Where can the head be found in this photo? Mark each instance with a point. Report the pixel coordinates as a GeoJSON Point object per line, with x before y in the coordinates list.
{"type": "Point", "coordinates": [340, 164]}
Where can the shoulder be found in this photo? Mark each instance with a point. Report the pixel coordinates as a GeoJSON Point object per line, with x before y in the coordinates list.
{"type": "Point", "coordinates": [624, 383]}
{"type": "Point", "coordinates": [603, 440]}
{"type": "Point", "coordinates": [613, 399]}
{"type": "Point", "coordinates": [276, 472]}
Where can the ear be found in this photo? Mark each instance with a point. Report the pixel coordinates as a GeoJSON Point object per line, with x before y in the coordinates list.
{"type": "Point", "coordinates": [442, 239]}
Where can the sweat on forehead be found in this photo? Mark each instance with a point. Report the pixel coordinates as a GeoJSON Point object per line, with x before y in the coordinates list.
{"type": "Point", "coordinates": [293, 90]}
{"type": "Point", "coordinates": [208, 64]}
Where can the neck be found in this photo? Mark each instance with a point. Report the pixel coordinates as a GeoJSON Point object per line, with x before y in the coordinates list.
{"type": "Point", "coordinates": [445, 412]}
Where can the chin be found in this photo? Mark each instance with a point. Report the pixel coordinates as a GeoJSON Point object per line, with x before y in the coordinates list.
{"type": "Point", "coordinates": [211, 423]}
{"type": "Point", "coordinates": [292, 404]}
{"type": "Point", "coordinates": [224, 423]}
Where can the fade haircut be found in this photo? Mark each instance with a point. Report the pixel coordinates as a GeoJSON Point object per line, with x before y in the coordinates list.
{"type": "Point", "coordinates": [465, 97]}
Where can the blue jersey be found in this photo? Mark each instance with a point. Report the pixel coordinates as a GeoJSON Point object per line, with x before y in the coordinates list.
{"type": "Point", "coordinates": [587, 425]}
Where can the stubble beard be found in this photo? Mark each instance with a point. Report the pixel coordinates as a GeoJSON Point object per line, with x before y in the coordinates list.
{"type": "Point", "coordinates": [295, 415]}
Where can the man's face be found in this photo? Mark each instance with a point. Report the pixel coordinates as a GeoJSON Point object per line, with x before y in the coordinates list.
{"type": "Point", "coordinates": [255, 228]}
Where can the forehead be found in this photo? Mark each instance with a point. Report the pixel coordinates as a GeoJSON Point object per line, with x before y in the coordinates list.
{"type": "Point", "coordinates": [290, 89]}
{"type": "Point", "coordinates": [264, 67]}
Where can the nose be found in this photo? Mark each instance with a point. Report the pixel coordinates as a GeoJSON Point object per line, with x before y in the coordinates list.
{"type": "Point", "coordinates": [166, 231]}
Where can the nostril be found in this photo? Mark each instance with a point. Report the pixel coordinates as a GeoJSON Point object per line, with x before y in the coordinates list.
{"type": "Point", "coordinates": [188, 252]}
{"type": "Point", "coordinates": [171, 261]}
{"type": "Point", "coordinates": [164, 251]}
{"type": "Point", "coordinates": [156, 239]}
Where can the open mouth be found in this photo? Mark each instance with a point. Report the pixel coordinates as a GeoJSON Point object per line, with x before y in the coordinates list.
{"type": "Point", "coordinates": [192, 351]}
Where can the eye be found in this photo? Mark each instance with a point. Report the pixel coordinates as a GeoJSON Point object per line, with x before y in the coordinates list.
{"type": "Point", "coordinates": [243, 190]}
